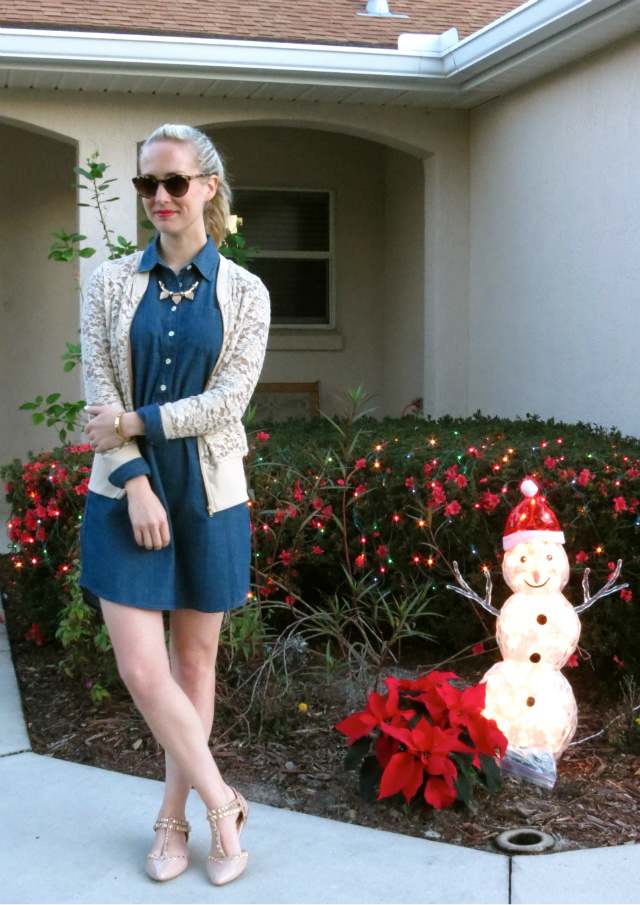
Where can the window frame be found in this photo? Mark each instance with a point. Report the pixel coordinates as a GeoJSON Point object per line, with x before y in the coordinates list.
{"type": "Point", "coordinates": [302, 255]}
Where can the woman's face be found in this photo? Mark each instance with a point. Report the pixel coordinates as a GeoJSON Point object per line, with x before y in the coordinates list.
{"type": "Point", "coordinates": [176, 216]}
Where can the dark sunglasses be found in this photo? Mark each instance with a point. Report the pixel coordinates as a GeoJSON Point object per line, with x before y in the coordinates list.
{"type": "Point", "coordinates": [176, 185]}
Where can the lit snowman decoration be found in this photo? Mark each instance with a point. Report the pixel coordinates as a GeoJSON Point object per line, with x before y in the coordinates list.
{"type": "Point", "coordinates": [537, 629]}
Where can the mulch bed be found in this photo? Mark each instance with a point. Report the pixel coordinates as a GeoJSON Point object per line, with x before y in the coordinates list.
{"type": "Point", "coordinates": [299, 765]}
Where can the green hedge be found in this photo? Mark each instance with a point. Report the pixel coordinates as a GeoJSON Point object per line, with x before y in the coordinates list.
{"type": "Point", "coordinates": [392, 501]}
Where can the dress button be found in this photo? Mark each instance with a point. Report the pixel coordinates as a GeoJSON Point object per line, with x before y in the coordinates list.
{"type": "Point", "coordinates": [171, 333]}
{"type": "Point", "coordinates": [174, 307]}
{"type": "Point", "coordinates": [163, 387]}
{"type": "Point", "coordinates": [167, 361]}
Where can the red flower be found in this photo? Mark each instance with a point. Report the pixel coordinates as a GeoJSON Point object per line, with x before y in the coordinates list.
{"type": "Point", "coordinates": [317, 550]}
{"type": "Point", "coordinates": [584, 477]}
{"type": "Point", "coordinates": [40, 533]}
{"type": "Point", "coordinates": [83, 488]}
{"type": "Point", "coordinates": [478, 648]}
{"type": "Point", "coordinates": [633, 472]}
{"type": "Point", "coordinates": [382, 550]}
{"type": "Point", "coordinates": [360, 561]}
{"type": "Point", "coordinates": [261, 435]}
{"type": "Point", "coordinates": [298, 494]}
{"type": "Point", "coordinates": [285, 557]}
{"type": "Point", "coordinates": [317, 503]}
{"type": "Point", "coordinates": [340, 481]}
{"type": "Point", "coordinates": [619, 504]}
{"type": "Point", "coordinates": [582, 557]}
{"type": "Point", "coordinates": [626, 594]}
{"type": "Point", "coordinates": [438, 496]}
{"type": "Point", "coordinates": [289, 599]}
{"type": "Point", "coordinates": [550, 462]}
{"type": "Point", "coordinates": [36, 634]}
{"type": "Point", "coordinates": [361, 463]}
{"type": "Point", "coordinates": [360, 489]}
{"type": "Point", "coordinates": [461, 481]}
{"type": "Point", "coordinates": [572, 661]}
{"type": "Point", "coordinates": [452, 508]}
{"type": "Point", "coordinates": [451, 473]}
{"type": "Point", "coordinates": [428, 469]}
{"type": "Point", "coordinates": [410, 483]}
{"type": "Point", "coordinates": [30, 521]}
{"type": "Point", "coordinates": [619, 663]}
{"type": "Point", "coordinates": [327, 511]}
{"type": "Point", "coordinates": [489, 501]}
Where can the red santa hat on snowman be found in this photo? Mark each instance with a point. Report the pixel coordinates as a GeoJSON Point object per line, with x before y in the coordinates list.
{"type": "Point", "coordinates": [531, 519]}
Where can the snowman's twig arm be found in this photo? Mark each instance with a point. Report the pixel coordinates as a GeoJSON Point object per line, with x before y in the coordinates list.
{"type": "Point", "coordinates": [468, 592]}
{"type": "Point", "coordinates": [603, 592]}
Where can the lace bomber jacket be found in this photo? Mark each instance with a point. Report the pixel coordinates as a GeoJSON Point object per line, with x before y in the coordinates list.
{"type": "Point", "coordinates": [214, 416]}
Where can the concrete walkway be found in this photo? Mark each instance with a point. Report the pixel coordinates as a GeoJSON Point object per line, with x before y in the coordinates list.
{"type": "Point", "coordinates": [72, 833]}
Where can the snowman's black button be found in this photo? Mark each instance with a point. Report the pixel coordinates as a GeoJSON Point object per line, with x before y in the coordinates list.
{"type": "Point", "coordinates": [535, 658]}
{"type": "Point", "coordinates": [530, 702]}
{"type": "Point", "coordinates": [542, 619]}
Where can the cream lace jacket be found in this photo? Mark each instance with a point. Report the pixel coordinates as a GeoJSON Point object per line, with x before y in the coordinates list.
{"type": "Point", "coordinates": [213, 416]}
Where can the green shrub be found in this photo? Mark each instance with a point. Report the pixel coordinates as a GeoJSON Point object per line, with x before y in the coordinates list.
{"type": "Point", "coordinates": [357, 523]}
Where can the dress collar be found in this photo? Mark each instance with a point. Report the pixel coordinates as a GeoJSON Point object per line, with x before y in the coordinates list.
{"type": "Point", "coordinates": [206, 261]}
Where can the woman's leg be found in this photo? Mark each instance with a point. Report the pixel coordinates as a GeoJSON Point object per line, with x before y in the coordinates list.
{"type": "Point", "coordinates": [138, 640]}
{"type": "Point", "coordinates": [193, 647]}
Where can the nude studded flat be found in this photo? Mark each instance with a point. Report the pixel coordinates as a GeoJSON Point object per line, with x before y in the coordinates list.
{"type": "Point", "coordinates": [165, 866]}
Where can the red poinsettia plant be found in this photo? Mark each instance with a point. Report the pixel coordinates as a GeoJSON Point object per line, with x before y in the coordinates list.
{"type": "Point", "coordinates": [427, 735]}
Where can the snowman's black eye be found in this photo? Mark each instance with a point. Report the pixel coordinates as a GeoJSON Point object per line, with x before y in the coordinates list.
{"type": "Point", "coordinates": [523, 559]}
{"type": "Point", "coordinates": [549, 557]}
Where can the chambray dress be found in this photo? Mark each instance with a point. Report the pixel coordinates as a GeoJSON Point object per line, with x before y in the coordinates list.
{"type": "Point", "coordinates": [206, 566]}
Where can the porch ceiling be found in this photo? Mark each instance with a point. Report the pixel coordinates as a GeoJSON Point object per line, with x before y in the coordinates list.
{"type": "Point", "coordinates": [536, 38]}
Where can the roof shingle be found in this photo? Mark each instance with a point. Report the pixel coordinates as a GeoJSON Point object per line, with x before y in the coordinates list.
{"type": "Point", "coordinates": [298, 21]}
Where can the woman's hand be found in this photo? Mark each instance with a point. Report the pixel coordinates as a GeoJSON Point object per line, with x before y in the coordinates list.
{"type": "Point", "coordinates": [147, 514]}
{"type": "Point", "coordinates": [101, 430]}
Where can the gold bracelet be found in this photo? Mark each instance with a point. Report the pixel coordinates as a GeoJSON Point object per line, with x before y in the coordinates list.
{"type": "Point", "coordinates": [117, 427]}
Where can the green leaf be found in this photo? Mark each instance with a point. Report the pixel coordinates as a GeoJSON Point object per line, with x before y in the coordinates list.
{"type": "Point", "coordinates": [86, 252]}
{"type": "Point", "coordinates": [39, 400]}
{"type": "Point", "coordinates": [29, 405]}
{"type": "Point", "coordinates": [370, 773]}
{"type": "Point", "coordinates": [491, 773]}
{"type": "Point", "coordinates": [464, 786]}
{"type": "Point", "coordinates": [53, 397]}
{"type": "Point", "coordinates": [147, 224]}
{"type": "Point", "coordinates": [69, 365]}
{"type": "Point", "coordinates": [37, 417]}
{"type": "Point", "coordinates": [356, 752]}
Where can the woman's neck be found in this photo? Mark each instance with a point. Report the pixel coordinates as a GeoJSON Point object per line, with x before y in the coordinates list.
{"type": "Point", "coordinates": [176, 251]}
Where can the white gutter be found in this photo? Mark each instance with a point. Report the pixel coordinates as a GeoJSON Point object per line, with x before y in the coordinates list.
{"type": "Point", "coordinates": [524, 28]}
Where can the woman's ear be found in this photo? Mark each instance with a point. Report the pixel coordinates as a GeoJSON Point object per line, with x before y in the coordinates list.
{"type": "Point", "coordinates": [212, 185]}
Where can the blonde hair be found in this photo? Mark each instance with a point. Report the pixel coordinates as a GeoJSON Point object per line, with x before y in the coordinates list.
{"type": "Point", "coordinates": [216, 211]}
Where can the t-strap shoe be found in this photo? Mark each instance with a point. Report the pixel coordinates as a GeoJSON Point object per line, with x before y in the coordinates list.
{"type": "Point", "coordinates": [223, 868]}
{"type": "Point", "coordinates": [165, 866]}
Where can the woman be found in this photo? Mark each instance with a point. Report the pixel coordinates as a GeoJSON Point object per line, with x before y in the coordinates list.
{"type": "Point", "coordinates": [173, 342]}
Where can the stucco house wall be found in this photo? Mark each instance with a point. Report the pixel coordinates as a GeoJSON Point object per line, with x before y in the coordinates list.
{"type": "Point", "coordinates": [38, 298]}
{"type": "Point", "coordinates": [554, 282]}
{"type": "Point", "coordinates": [392, 169]}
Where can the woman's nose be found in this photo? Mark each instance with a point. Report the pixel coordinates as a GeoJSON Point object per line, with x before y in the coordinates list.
{"type": "Point", "coordinates": [162, 194]}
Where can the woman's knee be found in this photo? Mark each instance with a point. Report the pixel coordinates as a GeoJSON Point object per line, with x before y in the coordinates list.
{"type": "Point", "coordinates": [195, 665]}
{"type": "Point", "coordinates": [144, 680]}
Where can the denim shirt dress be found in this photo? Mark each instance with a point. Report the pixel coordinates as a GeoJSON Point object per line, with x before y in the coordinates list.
{"type": "Point", "coordinates": [206, 566]}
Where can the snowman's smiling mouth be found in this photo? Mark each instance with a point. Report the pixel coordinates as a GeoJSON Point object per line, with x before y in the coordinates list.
{"type": "Point", "coordinates": [537, 585]}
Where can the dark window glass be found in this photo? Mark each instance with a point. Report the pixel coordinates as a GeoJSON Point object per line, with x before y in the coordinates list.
{"type": "Point", "coordinates": [299, 289]}
{"type": "Point", "coordinates": [283, 221]}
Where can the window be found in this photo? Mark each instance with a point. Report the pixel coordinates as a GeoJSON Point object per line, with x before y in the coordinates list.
{"type": "Point", "coordinates": [292, 231]}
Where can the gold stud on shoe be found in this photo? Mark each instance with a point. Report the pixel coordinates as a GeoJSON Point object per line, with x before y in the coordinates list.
{"type": "Point", "coordinates": [223, 868]}
{"type": "Point", "coordinates": [165, 866]}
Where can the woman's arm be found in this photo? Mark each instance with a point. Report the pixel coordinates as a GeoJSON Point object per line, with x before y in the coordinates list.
{"type": "Point", "coordinates": [227, 400]}
{"type": "Point", "coordinates": [101, 386]}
